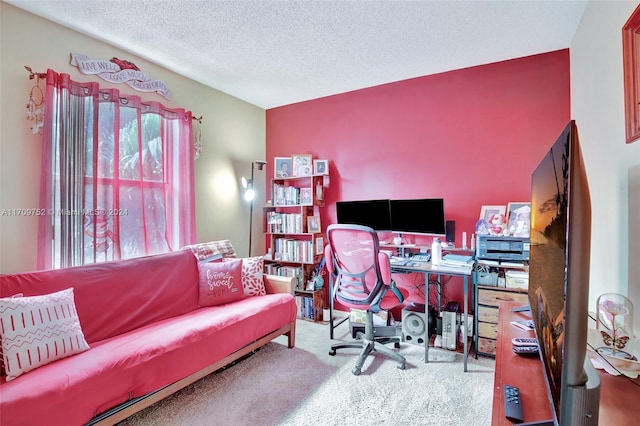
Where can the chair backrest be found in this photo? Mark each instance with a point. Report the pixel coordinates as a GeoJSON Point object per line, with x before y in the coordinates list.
{"type": "Point", "coordinates": [360, 272]}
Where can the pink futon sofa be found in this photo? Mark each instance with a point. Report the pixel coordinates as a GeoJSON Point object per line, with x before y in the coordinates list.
{"type": "Point", "coordinates": [147, 335]}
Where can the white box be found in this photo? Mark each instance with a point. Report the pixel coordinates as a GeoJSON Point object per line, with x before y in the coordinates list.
{"type": "Point", "coordinates": [517, 279]}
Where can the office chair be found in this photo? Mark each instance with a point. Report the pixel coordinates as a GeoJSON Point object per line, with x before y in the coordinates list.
{"type": "Point", "coordinates": [360, 278]}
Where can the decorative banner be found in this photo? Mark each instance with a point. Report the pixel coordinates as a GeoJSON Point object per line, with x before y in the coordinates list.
{"type": "Point", "coordinates": [119, 71]}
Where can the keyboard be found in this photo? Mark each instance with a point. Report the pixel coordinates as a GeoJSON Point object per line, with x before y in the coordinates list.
{"type": "Point", "coordinates": [422, 257]}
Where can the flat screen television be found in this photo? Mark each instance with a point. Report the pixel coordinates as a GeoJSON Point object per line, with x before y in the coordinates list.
{"type": "Point", "coordinates": [559, 280]}
{"type": "Point", "coordinates": [418, 216]}
{"type": "Point", "coordinates": [372, 213]}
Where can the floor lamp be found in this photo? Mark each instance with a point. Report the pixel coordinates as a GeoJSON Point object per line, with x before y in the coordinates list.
{"type": "Point", "coordinates": [250, 194]}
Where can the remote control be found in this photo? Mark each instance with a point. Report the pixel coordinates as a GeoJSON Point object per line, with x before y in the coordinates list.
{"type": "Point", "coordinates": [524, 341]}
{"type": "Point", "coordinates": [525, 325]}
{"type": "Point", "coordinates": [512, 405]}
{"type": "Point", "coordinates": [525, 350]}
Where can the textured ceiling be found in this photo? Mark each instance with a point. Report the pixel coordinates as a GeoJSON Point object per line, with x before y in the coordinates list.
{"type": "Point", "coordinates": [272, 53]}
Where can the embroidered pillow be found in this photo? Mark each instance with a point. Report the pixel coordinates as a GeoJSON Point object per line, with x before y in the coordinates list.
{"type": "Point", "coordinates": [220, 282]}
{"type": "Point", "coordinates": [37, 330]}
{"type": "Point", "coordinates": [252, 276]}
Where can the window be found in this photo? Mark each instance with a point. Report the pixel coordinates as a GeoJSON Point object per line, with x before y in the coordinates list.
{"type": "Point", "coordinates": [117, 176]}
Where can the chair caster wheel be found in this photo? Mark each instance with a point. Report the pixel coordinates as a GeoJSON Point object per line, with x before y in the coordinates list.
{"type": "Point", "coordinates": [396, 345]}
{"type": "Point", "coordinates": [356, 371]}
{"type": "Point", "coordinates": [402, 366]}
{"type": "Point", "coordinates": [332, 352]}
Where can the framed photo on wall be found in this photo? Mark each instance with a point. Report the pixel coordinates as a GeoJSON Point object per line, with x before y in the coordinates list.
{"type": "Point", "coordinates": [631, 69]}
{"type": "Point", "coordinates": [302, 165]}
{"type": "Point", "coordinates": [486, 212]}
{"type": "Point", "coordinates": [313, 224]}
{"type": "Point", "coordinates": [320, 167]}
{"type": "Point", "coordinates": [519, 219]}
{"type": "Point", "coordinates": [282, 167]}
{"type": "Point", "coordinates": [306, 196]}
{"type": "Point", "coordinates": [319, 245]}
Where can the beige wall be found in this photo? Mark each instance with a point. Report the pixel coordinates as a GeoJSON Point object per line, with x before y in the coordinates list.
{"type": "Point", "coordinates": [233, 134]}
{"type": "Point", "coordinates": [613, 167]}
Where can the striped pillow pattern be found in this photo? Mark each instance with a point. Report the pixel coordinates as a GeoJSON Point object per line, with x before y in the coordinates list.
{"type": "Point", "coordinates": [37, 330]}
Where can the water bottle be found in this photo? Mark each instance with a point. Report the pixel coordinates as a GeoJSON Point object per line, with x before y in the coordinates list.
{"type": "Point", "coordinates": [436, 251]}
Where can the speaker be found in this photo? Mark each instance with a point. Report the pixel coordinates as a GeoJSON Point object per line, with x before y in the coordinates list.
{"type": "Point", "coordinates": [414, 322]}
{"type": "Point", "coordinates": [450, 230]}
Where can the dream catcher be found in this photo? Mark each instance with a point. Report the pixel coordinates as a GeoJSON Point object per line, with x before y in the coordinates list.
{"type": "Point", "coordinates": [35, 104]}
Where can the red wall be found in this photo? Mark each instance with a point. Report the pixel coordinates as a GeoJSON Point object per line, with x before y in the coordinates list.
{"type": "Point", "coordinates": [471, 136]}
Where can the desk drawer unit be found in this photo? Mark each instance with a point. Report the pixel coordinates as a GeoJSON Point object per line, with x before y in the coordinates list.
{"type": "Point", "coordinates": [493, 297]}
{"type": "Point", "coordinates": [488, 300]}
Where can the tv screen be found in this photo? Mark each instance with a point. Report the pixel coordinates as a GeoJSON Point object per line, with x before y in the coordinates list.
{"type": "Point", "coordinates": [418, 216]}
{"type": "Point", "coordinates": [371, 213]}
{"type": "Point", "coordinates": [559, 279]}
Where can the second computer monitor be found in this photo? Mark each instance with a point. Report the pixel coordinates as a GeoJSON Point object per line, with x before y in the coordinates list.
{"type": "Point", "coordinates": [418, 216]}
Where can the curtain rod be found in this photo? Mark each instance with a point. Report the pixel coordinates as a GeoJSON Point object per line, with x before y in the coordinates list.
{"type": "Point", "coordinates": [33, 75]}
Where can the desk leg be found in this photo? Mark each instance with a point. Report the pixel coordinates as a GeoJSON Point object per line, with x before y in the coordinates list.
{"type": "Point", "coordinates": [466, 319]}
{"type": "Point", "coordinates": [426, 315]}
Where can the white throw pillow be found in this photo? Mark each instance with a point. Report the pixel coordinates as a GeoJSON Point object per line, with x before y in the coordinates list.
{"type": "Point", "coordinates": [252, 273]}
{"type": "Point", "coordinates": [37, 330]}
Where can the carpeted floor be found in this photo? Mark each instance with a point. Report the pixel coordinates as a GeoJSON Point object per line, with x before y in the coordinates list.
{"type": "Point", "coordinates": [306, 386]}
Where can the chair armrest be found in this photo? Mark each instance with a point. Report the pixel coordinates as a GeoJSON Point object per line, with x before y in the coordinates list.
{"type": "Point", "coordinates": [278, 284]}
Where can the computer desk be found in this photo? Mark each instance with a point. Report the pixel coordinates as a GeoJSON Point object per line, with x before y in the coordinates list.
{"type": "Point", "coordinates": [428, 269]}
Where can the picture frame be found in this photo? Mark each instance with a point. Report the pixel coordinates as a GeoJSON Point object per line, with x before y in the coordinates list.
{"type": "Point", "coordinates": [631, 68]}
{"type": "Point", "coordinates": [313, 224]}
{"type": "Point", "coordinates": [301, 165]}
{"type": "Point", "coordinates": [306, 196]}
{"type": "Point", "coordinates": [486, 212]}
{"type": "Point", "coordinates": [519, 218]}
{"type": "Point", "coordinates": [282, 167]}
{"type": "Point", "coordinates": [319, 245]}
{"type": "Point", "coordinates": [320, 167]}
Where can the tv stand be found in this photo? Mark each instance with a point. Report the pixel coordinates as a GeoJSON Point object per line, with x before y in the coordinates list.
{"type": "Point", "coordinates": [619, 395]}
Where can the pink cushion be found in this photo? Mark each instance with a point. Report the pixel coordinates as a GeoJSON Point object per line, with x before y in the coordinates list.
{"type": "Point", "coordinates": [70, 391]}
{"type": "Point", "coordinates": [252, 276]}
{"type": "Point", "coordinates": [38, 330]}
{"type": "Point", "coordinates": [156, 287]}
{"type": "Point", "coordinates": [220, 282]}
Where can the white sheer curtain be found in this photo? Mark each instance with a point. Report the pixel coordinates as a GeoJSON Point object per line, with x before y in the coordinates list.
{"type": "Point", "coordinates": [117, 176]}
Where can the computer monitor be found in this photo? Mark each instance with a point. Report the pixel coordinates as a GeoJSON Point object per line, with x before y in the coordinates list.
{"type": "Point", "coordinates": [418, 216]}
{"type": "Point", "coordinates": [371, 213]}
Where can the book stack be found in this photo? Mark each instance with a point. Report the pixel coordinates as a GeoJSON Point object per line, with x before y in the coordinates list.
{"type": "Point", "coordinates": [456, 262]}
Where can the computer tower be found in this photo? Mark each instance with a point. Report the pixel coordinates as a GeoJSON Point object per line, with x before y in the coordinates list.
{"type": "Point", "coordinates": [450, 328]}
